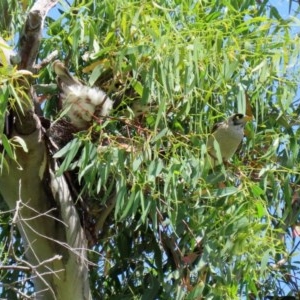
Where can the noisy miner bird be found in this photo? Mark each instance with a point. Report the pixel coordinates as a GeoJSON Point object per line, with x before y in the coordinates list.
{"type": "Point", "coordinates": [80, 103]}
{"type": "Point", "coordinates": [225, 138]}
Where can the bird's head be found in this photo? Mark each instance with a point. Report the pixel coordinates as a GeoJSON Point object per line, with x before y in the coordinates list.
{"type": "Point", "coordinates": [64, 78]}
{"type": "Point", "coordinates": [239, 120]}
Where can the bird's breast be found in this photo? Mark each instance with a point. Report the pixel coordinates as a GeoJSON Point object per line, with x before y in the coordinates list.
{"type": "Point", "coordinates": [228, 140]}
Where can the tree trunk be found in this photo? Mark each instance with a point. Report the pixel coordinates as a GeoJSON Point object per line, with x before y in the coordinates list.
{"type": "Point", "coordinates": [54, 241]}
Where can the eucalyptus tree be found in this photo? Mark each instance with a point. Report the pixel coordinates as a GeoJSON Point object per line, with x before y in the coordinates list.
{"type": "Point", "coordinates": [125, 207]}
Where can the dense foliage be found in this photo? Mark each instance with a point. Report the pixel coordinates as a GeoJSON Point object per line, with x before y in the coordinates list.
{"type": "Point", "coordinates": [177, 229]}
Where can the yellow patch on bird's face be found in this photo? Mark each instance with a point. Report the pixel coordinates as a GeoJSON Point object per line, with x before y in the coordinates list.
{"type": "Point", "coordinates": [248, 118]}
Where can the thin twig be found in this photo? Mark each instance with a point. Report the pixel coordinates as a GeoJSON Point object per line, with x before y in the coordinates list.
{"type": "Point", "coordinates": [46, 61]}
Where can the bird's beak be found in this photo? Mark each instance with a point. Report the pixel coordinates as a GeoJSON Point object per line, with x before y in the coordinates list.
{"type": "Point", "coordinates": [248, 118]}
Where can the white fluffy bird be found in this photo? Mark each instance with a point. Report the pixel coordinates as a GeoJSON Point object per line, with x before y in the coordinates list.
{"type": "Point", "coordinates": [80, 103]}
{"type": "Point", "coordinates": [226, 136]}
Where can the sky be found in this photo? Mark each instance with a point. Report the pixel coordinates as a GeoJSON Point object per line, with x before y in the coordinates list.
{"type": "Point", "coordinates": [283, 7]}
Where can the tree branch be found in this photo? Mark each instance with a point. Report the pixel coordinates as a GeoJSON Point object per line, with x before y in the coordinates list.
{"type": "Point", "coordinates": [30, 39]}
{"type": "Point", "coordinates": [31, 36]}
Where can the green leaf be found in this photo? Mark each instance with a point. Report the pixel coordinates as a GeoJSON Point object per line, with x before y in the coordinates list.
{"type": "Point", "coordinates": [97, 71]}
{"type": "Point", "coordinates": [220, 193]}
{"type": "Point", "coordinates": [155, 169]}
{"type": "Point", "coordinates": [138, 87]}
{"type": "Point", "coordinates": [160, 135]}
{"type": "Point", "coordinates": [7, 147]}
{"type": "Point", "coordinates": [152, 291]}
{"type": "Point", "coordinates": [69, 151]}
{"type": "Point", "coordinates": [120, 200]}
{"type": "Point", "coordinates": [256, 190]}
{"type": "Point", "coordinates": [264, 261]}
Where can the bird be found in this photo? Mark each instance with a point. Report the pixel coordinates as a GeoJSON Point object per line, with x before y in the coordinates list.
{"type": "Point", "coordinates": [81, 104]}
{"type": "Point", "coordinates": [225, 138]}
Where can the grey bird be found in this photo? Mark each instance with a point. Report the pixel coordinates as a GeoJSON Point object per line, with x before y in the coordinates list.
{"type": "Point", "coordinates": [225, 138]}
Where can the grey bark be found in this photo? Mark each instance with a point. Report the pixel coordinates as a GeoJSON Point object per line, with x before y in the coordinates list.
{"type": "Point", "coordinates": [45, 214]}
